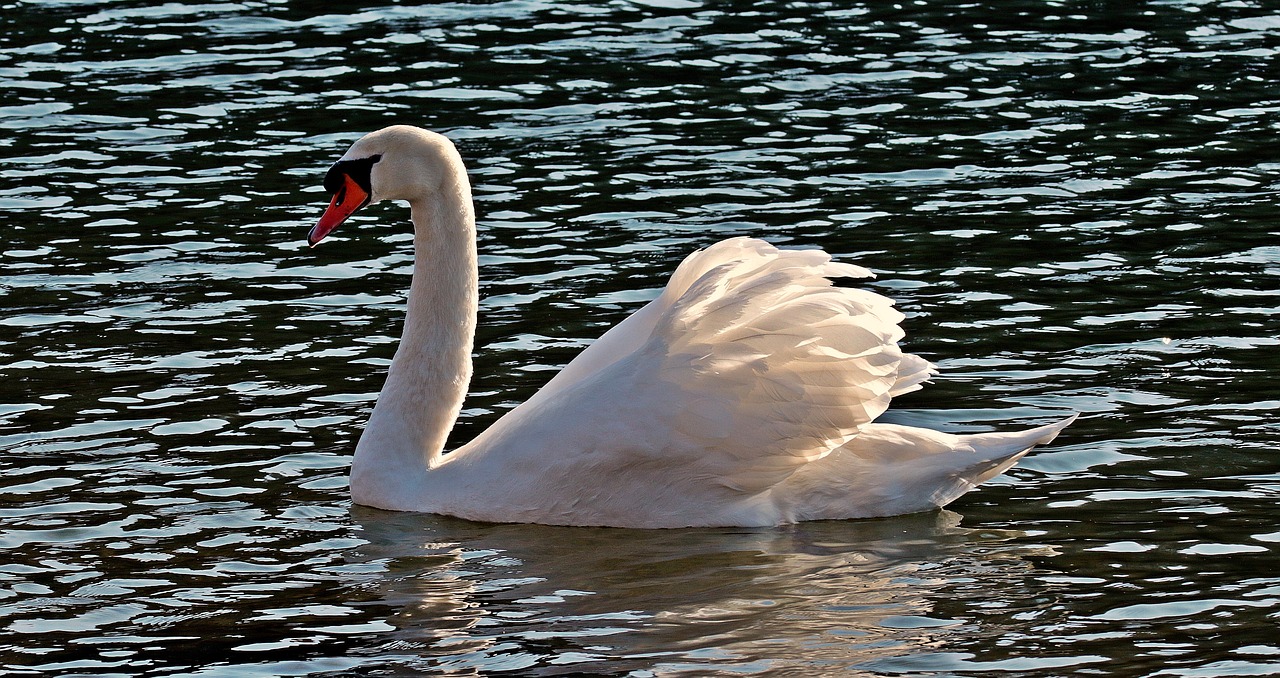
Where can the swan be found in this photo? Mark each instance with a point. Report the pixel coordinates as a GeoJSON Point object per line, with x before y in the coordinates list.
{"type": "Point", "coordinates": [745, 394]}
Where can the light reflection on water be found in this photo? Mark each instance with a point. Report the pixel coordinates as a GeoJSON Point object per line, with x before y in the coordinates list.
{"type": "Point", "coordinates": [1071, 203]}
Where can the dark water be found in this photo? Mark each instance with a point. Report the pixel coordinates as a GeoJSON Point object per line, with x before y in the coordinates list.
{"type": "Point", "coordinates": [1074, 202]}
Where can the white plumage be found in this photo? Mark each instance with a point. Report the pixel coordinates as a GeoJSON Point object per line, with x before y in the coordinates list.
{"type": "Point", "coordinates": [745, 394]}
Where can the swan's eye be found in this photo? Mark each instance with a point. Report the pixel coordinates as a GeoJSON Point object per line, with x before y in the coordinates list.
{"type": "Point", "coordinates": [356, 170]}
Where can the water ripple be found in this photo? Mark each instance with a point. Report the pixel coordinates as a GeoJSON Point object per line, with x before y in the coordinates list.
{"type": "Point", "coordinates": [1069, 203]}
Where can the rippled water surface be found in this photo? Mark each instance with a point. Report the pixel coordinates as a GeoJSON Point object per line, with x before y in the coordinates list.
{"type": "Point", "coordinates": [1073, 202]}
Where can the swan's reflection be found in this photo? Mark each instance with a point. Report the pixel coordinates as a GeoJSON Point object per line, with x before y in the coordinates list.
{"type": "Point", "coordinates": [828, 595]}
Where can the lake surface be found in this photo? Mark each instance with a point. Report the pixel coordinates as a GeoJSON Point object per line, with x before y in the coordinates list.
{"type": "Point", "coordinates": [1074, 203]}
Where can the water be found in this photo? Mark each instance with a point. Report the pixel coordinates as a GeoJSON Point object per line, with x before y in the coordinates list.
{"type": "Point", "coordinates": [1073, 203]}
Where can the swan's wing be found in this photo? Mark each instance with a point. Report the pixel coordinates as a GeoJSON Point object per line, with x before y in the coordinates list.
{"type": "Point", "coordinates": [749, 366]}
{"type": "Point", "coordinates": [630, 334]}
{"type": "Point", "coordinates": [625, 337]}
{"type": "Point", "coordinates": [773, 367]}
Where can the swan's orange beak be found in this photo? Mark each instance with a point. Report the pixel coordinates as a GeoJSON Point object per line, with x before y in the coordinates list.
{"type": "Point", "coordinates": [346, 201]}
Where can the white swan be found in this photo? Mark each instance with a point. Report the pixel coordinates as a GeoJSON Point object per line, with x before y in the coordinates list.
{"type": "Point", "coordinates": [744, 395]}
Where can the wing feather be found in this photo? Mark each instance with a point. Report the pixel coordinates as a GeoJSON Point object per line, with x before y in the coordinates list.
{"type": "Point", "coordinates": [789, 365]}
{"type": "Point", "coordinates": [748, 366]}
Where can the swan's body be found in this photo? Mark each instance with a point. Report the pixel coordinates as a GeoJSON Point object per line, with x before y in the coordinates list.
{"type": "Point", "coordinates": [745, 394]}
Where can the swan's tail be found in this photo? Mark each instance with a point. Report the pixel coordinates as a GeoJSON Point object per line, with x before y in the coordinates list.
{"type": "Point", "coordinates": [1000, 451]}
{"type": "Point", "coordinates": [890, 469]}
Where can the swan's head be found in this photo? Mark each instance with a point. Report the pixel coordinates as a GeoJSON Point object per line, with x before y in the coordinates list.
{"type": "Point", "coordinates": [400, 162]}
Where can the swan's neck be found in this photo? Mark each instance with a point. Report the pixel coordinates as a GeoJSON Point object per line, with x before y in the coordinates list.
{"type": "Point", "coordinates": [428, 377]}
